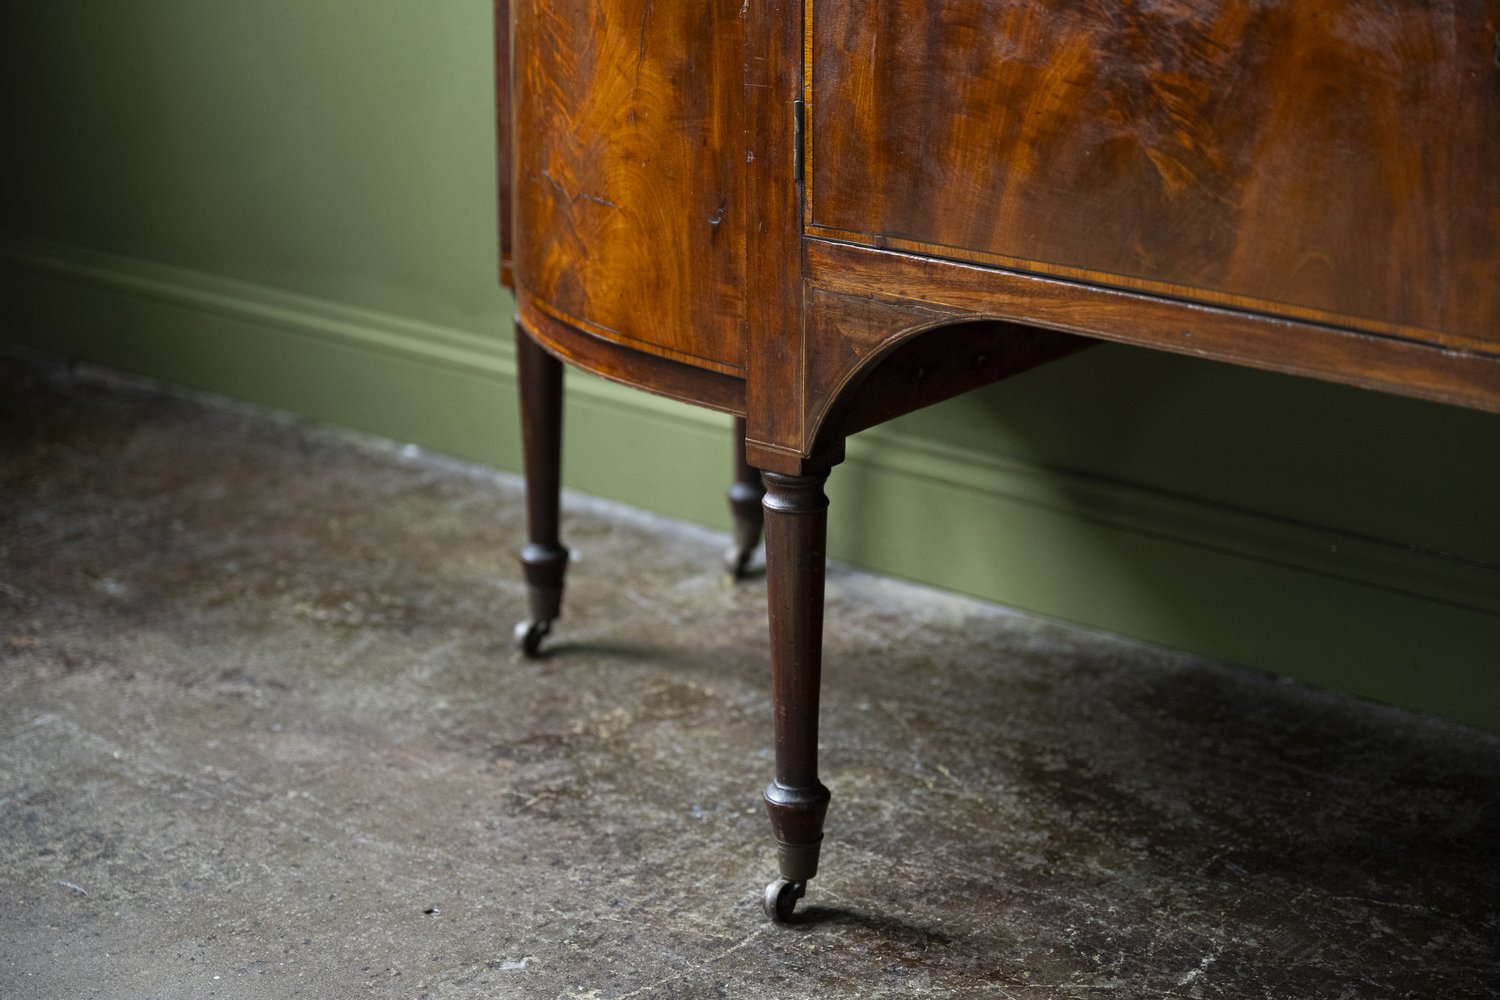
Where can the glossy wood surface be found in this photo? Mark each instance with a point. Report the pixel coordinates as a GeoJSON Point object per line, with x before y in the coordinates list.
{"type": "Point", "coordinates": [1336, 161]}
{"type": "Point", "coordinates": [1309, 188]}
{"type": "Point", "coordinates": [627, 163]}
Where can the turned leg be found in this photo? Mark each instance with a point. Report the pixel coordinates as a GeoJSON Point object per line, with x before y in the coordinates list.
{"type": "Point", "coordinates": [745, 496]}
{"type": "Point", "coordinates": [796, 538]}
{"type": "Point", "coordinates": [543, 558]}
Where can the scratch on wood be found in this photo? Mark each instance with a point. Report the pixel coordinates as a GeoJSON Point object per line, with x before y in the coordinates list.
{"type": "Point", "coordinates": [595, 199]}
{"type": "Point", "coordinates": [563, 192]}
{"type": "Point", "coordinates": [640, 54]}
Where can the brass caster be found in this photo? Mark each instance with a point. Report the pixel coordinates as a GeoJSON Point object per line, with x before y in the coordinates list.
{"type": "Point", "coordinates": [781, 898]}
{"type": "Point", "coordinates": [529, 636]}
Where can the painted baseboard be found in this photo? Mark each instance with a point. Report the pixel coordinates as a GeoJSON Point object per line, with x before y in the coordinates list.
{"type": "Point", "coordinates": [1357, 613]}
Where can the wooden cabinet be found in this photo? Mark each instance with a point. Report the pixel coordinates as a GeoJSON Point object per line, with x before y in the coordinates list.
{"type": "Point", "coordinates": [817, 215]}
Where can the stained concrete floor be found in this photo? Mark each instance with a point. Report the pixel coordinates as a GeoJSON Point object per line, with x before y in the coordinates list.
{"type": "Point", "coordinates": [262, 734]}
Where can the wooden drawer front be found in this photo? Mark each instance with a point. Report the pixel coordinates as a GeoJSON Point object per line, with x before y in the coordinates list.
{"type": "Point", "coordinates": [1336, 161]}
{"type": "Point", "coordinates": [629, 144]}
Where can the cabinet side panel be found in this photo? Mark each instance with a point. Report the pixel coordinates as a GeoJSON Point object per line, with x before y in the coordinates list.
{"type": "Point", "coordinates": [628, 172]}
{"type": "Point", "coordinates": [503, 144]}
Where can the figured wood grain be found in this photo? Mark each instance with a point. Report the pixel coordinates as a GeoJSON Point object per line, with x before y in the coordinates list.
{"type": "Point", "coordinates": [628, 186]}
{"type": "Point", "coordinates": [1287, 186]}
{"type": "Point", "coordinates": [1337, 161]}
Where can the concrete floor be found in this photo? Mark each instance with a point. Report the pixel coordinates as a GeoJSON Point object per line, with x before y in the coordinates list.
{"type": "Point", "coordinates": [262, 734]}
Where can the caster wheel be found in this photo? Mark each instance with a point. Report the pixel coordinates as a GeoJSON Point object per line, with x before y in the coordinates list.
{"type": "Point", "coordinates": [529, 636]}
{"type": "Point", "coordinates": [781, 898]}
{"type": "Point", "coordinates": [737, 563]}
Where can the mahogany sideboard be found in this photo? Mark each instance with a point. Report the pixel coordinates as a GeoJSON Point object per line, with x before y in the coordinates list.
{"type": "Point", "coordinates": [816, 215]}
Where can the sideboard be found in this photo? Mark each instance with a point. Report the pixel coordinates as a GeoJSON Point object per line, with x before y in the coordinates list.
{"type": "Point", "coordinates": [816, 215]}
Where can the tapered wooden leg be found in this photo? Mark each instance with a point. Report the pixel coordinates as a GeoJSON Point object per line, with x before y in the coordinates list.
{"type": "Point", "coordinates": [796, 525]}
{"type": "Point", "coordinates": [543, 558]}
{"type": "Point", "coordinates": [745, 496]}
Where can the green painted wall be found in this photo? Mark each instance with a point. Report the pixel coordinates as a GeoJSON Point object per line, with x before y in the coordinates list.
{"type": "Point", "coordinates": [293, 203]}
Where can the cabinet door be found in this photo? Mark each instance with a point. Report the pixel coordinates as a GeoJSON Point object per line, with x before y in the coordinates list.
{"type": "Point", "coordinates": [1336, 161]}
{"type": "Point", "coordinates": [628, 156]}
